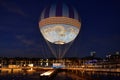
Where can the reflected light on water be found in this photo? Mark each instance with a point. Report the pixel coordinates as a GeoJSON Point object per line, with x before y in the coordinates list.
{"type": "Point", "coordinates": [34, 74]}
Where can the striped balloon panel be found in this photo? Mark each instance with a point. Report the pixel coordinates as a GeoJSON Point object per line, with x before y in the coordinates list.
{"type": "Point", "coordinates": [58, 10]}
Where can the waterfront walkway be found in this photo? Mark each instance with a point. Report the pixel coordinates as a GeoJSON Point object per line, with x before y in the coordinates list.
{"type": "Point", "coordinates": [9, 70]}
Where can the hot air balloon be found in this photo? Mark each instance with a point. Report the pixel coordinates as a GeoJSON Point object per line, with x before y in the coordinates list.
{"type": "Point", "coordinates": [59, 24]}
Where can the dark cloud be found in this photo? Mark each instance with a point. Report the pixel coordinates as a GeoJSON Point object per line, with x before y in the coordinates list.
{"type": "Point", "coordinates": [24, 40]}
{"type": "Point", "coordinates": [28, 42]}
{"type": "Point", "coordinates": [12, 7]}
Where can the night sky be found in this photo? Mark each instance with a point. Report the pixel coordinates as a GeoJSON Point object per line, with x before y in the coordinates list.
{"type": "Point", "coordinates": [20, 35]}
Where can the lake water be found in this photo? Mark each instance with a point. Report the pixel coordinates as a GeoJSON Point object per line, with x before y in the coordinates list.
{"type": "Point", "coordinates": [88, 76]}
{"type": "Point", "coordinates": [64, 75]}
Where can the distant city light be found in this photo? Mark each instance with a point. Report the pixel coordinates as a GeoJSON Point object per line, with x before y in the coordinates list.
{"type": "Point", "coordinates": [30, 65]}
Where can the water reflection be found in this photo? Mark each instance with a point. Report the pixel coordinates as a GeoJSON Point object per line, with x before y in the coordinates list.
{"type": "Point", "coordinates": [104, 75]}
{"type": "Point", "coordinates": [78, 75]}
{"type": "Point", "coordinates": [60, 75]}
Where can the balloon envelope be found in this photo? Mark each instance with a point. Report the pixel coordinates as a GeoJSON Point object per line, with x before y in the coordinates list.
{"type": "Point", "coordinates": [59, 25]}
{"type": "Point", "coordinates": [59, 33]}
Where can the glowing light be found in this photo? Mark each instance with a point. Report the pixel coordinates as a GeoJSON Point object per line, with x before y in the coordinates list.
{"type": "Point", "coordinates": [31, 69]}
{"type": "Point", "coordinates": [59, 33]}
{"type": "Point", "coordinates": [30, 65]}
{"type": "Point", "coordinates": [47, 73]}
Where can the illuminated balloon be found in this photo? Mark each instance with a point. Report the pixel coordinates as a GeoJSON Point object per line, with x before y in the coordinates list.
{"type": "Point", "coordinates": [59, 24]}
